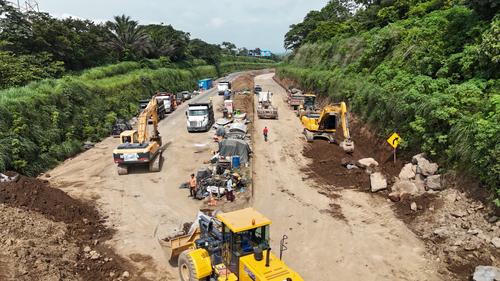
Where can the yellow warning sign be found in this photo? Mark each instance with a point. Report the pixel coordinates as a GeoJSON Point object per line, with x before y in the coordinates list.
{"type": "Point", "coordinates": [394, 140]}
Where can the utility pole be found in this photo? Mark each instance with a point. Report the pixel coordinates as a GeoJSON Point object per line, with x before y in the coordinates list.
{"type": "Point", "coordinates": [27, 5]}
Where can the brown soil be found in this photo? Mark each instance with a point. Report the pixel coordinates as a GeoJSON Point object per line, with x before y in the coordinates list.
{"type": "Point", "coordinates": [327, 159]}
{"type": "Point", "coordinates": [243, 82]}
{"type": "Point", "coordinates": [81, 226]}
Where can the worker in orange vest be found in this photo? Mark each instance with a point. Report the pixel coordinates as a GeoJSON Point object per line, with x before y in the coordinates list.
{"type": "Point", "coordinates": [265, 131]}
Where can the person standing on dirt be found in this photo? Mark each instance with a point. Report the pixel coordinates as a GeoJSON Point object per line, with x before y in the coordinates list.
{"type": "Point", "coordinates": [192, 186]}
{"type": "Point", "coordinates": [265, 132]}
{"type": "Point", "coordinates": [229, 189]}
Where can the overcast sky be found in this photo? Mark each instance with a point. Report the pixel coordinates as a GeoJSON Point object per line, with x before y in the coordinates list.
{"type": "Point", "coordinates": [250, 23]}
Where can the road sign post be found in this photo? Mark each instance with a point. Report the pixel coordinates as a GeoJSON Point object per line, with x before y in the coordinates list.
{"type": "Point", "coordinates": [394, 141]}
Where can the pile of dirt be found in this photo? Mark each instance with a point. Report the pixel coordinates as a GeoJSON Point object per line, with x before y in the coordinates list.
{"type": "Point", "coordinates": [243, 82]}
{"type": "Point", "coordinates": [327, 159]}
{"type": "Point", "coordinates": [244, 101]}
{"type": "Point", "coordinates": [77, 235]}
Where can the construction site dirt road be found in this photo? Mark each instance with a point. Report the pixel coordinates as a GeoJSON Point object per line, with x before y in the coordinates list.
{"type": "Point", "coordinates": [363, 241]}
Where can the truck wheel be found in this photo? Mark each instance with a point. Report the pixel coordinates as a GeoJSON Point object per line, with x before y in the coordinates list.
{"type": "Point", "coordinates": [122, 170]}
{"type": "Point", "coordinates": [187, 271]}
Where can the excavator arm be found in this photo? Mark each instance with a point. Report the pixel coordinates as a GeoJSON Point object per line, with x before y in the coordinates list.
{"type": "Point", "coordinates": [149, 111]}
{"type": "Point", "coordinates": [347, 145]}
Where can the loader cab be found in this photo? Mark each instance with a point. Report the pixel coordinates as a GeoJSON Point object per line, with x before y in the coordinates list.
{"type": "Point", "coordinates": [330, 122]}
{"type": "Point", "coordinates": [244, 231]}
{"type": "Point", "coordinates": [309, 101]}
{"type": "Point", "coordinates": [129, 137]}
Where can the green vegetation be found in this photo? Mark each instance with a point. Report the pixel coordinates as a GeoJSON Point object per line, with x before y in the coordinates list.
{"type": "Point", "coordinates": [105, 70]}
{"type": "Point", "coordinates": [426, 69]}
{"type": "Point", "coordinates": [47, 121]}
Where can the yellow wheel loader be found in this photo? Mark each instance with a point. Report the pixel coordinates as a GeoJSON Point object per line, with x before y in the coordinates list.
{"type": "Point", "coordinates": [228, 247]}
{"type": "Point", "coordinates": [137, 147]}
{"type": "Point", "coordinates": [324, 124]}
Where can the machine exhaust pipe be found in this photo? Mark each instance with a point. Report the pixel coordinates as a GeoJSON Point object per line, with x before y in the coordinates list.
{"type": "Point", "coordinates": [267, 256]}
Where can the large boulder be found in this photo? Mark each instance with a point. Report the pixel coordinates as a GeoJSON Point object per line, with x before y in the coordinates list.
{"type": "Point", "coordinates": [419, 182]}
{"type": "Point", "coordinates": [367, 162]}
{"type": "Point", "coordinates": [408, 172]}
{"type": "Point", "coordinates": [486, 273]}
{"type": "Point", "coordinates": [424, 166]}
{"type": "Point", "coordinates": [401, 189]}
{"type": "Point", "coordinates": [377, 182]}
{"type": "Point", "coordinates": [433, 182]}
{"type": "Point", "coordinates": [405, 187]}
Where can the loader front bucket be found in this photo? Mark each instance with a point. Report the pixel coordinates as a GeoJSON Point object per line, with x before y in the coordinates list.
{"type": "Point", "coordinates": [172, 247]}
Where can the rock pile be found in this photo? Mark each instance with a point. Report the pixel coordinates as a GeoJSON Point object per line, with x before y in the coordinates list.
{"type": "Point", "coordinates": [417, 177]}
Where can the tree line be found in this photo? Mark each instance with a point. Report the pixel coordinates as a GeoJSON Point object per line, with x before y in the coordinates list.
{"type": "Point", "coordinates": [35, 45]}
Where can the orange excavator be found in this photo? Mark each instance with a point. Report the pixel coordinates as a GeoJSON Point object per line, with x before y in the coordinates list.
{"type": "Point", "coordinates": [139, 147]}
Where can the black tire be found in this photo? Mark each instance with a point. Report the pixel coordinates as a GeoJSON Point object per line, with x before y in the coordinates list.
{"type": "Point", "coordinates": [186, 267]}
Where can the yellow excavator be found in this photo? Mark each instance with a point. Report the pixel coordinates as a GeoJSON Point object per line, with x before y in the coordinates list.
{"type": "Point", "coordinates": [137, 147]}
{"type": "Point", "coordinates": [230, 246]}
{"type": "Point", "coordinates": [324, 124]}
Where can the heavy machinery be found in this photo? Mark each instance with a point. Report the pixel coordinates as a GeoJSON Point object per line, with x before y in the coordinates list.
{"type": "Point", "coordinates": [307, 105]}
{"type": "Point", "coordinates": [265, 108]}
{"type": "Point", "coordinates": [169, 101]}
{"type": "Point", "coordinates": [324, 124]}
{"type": "Point", "coordinates": [295, 98]}
{"type": "Point", "coordinates": [137, 147]}
{"type": "Point", "coordinates": [228, 246]}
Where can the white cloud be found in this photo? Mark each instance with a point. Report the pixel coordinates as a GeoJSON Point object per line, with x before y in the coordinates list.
{"type": "Point", "coordinates": [217, 22]}
{"type": "Point", "coordinates": [256, 23]}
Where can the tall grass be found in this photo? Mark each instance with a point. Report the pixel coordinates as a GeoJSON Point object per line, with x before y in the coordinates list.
{"type": "Point", "coordinates": [47, 121]}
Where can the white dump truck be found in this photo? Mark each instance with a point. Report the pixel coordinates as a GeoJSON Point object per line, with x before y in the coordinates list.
{"type": "Point", "coordinates": [265, 108]}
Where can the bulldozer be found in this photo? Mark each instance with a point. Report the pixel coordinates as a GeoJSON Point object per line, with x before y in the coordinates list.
{"type": "Point", "coordinates": [137, 147]}
{"type": "Point", "coordinates": [227, 247]}
{"type": "Point", "coordinates": [324, 124]}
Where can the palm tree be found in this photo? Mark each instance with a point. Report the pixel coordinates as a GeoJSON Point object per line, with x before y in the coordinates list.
{"type": "Point", "coordinates": [128, 38]}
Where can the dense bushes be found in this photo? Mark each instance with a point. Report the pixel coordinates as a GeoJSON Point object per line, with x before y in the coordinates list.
{"type": "Point", "coordinates": [432, 78]}
{"type": "Point", "coordinates": [47, 121]}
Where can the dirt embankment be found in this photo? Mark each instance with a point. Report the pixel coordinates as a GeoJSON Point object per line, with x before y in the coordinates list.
{"type": "Point", "coordinates": [48, 235]}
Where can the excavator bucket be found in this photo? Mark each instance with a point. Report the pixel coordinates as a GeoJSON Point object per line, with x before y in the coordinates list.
{"type": "Point", "coordinates": [347, 146]}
